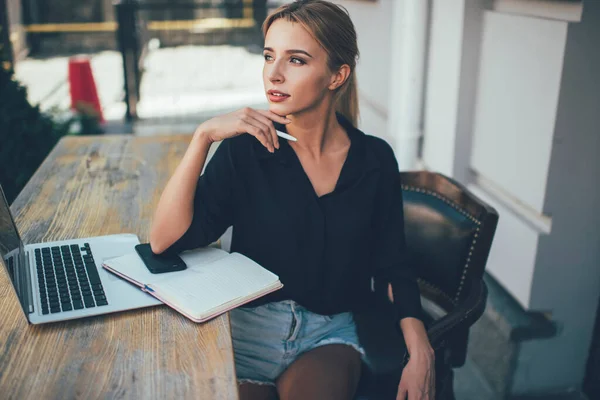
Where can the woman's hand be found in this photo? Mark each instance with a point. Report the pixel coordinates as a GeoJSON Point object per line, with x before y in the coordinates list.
{"type": "Point", "coordinates": [258, 123]}
{"type": "Point", "coordinates": [418, 377]}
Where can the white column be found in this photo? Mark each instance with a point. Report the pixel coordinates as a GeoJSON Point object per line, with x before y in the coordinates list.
{"type": "Point", "coordinates": [408, 49]}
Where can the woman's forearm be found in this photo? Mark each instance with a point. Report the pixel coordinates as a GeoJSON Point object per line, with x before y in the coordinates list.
{"type": "Point", "coordinates": [415, 334]}
{"type": "Point", "coordinates": [413, 330]}
{"type": "Point", "coordinates": [175, 209]}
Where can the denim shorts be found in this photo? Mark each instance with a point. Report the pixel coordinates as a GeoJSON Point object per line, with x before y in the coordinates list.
{"type": "Point", "coordinates": [268, 338]}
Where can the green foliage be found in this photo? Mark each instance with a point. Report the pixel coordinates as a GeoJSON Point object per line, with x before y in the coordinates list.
{"type": "Point", "coordinates": [27, 135]}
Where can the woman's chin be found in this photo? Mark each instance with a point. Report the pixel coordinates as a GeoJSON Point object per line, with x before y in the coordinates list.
{"type": "Point", "coordinates": [279, 109]}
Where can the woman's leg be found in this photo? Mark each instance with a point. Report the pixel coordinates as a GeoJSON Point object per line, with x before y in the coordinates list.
{"type": "Point", "coordinates": [258, 349]}
{"type": "Point", "coordinates": [252, 391]}
{"type": "Point", "coordinates": [329, 372]}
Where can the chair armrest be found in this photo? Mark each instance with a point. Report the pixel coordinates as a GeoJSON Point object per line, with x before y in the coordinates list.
{"type": "Point", "coordinates": [460, 318]}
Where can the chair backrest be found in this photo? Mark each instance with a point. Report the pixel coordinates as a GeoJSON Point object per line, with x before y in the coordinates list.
{"type": "Point", "coordinates": [449, 233]}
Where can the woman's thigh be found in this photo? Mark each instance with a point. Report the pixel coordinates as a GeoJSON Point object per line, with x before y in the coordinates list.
{"type": "Point", "coordinates": [252, 391]}
{"type": "Point", "coordinates": [328, 372]}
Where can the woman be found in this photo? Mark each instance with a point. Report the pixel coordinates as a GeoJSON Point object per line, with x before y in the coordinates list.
{"type": "Point", "coordinates": [324, 213]}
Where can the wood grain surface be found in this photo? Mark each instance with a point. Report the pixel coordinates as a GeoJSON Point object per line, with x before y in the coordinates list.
{"type": "Point", "coordinates": [91, 186]}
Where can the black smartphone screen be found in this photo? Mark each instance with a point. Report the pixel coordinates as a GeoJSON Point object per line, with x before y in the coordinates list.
{"type": "Point", "coordinates": [159, 263]}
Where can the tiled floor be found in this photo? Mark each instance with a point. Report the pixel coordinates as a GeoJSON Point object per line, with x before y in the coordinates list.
{"type": "Point", "coordinates": [470, 385]}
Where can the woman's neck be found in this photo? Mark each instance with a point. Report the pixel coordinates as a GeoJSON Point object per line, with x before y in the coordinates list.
{"type": "Point", "coordinates": [318, 131]}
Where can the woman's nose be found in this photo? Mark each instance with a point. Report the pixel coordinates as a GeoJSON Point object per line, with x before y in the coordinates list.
{"type": "Point", "coordinates": [275, 74]}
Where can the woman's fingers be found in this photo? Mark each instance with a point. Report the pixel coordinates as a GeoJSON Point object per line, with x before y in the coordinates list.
{"type": "Point", "coordinates": [250, 116]}
{"type": "Point", "coordinates": [256, 132]}
{"type": "Point", "coordinates": [266, 130]}
{"type": "Point", "coordinates": [271, 116]}
{"type": "Point", "coordinates": [432, 392]}
{"type": "Point", "coordinates": [261, 132]}
{"type": "Point", "coordinates": [269, 123]}
{"type": "Point", "coordinates": [401, 394]}
{"type": "Point", "coordinates": [238, 122]}
{"type": "Point", "coordinates": [259, 123]}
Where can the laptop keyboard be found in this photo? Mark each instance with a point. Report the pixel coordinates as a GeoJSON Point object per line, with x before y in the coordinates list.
{"type": "Point", "coordinates": [68, 279]}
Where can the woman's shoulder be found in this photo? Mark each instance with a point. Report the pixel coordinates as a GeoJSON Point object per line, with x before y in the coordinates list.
{"type": "Point", "coordinates": [237, 142]}
{"type": "Point", "coordinates": [382, 150]}
{"type": "Point", "coordinates": [238, 147]}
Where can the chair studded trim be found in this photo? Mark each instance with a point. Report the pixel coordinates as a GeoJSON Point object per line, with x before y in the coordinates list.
{"type": "Point", "coordinates": [431, 288]}
{"type": "Point", "coordinates": [466, 267]}
{"type": "Point", "coordinates": [442, 198]}
{"type": "Point", "coordinates": [473, 242]}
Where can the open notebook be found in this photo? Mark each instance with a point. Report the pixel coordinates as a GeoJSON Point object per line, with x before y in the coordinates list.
{"type": "Point", "coordinates": [214, 282]}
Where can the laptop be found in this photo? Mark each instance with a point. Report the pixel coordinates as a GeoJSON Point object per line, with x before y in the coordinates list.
{"type": "Point", "coordinates": [63, 280]}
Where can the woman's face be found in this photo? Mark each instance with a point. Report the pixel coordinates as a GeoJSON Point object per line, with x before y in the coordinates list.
{"type": "Point", "coordinates": [295, 73]}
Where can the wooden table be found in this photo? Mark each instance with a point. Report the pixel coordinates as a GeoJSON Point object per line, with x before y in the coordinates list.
{"type": "Point", "coordinates": [98, 185]}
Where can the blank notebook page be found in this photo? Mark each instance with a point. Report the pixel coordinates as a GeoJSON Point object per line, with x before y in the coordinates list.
{"type": "Point", "coordinates": [204, 287]}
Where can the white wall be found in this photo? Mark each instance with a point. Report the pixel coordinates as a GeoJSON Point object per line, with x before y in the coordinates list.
{"type": "Point", "coordinates": [517, 95]}
{"type": "Point", "coordinates": [492, 119]}
{"type": "Point", "coordinates": [455, 35]}
{"type": "Point", "coordinates": [514, 250]}
{"type": "Point", "coordinates": [373, 24]}
{"type": "Point", "coordinates": [519, 82]}
{"type": "Point", "coordinates": [442, 88]}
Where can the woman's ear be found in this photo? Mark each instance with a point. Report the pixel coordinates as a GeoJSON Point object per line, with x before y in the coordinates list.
{"type": "Point", "coordinates": [339, 77]}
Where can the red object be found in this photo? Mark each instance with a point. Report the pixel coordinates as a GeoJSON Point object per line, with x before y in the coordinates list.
{"type": "Point", "coordinates": [84, 96]}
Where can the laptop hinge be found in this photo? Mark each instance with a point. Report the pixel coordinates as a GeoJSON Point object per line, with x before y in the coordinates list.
{"type": "Point", "coordinates": [28, 286]}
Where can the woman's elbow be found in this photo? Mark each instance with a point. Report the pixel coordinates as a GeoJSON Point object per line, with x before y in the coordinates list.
{"type": "Point", "coordinates": [157, 244]}
{"type": "Point", "coordinates": [161, 238]}
{"type": "Point", "coordinates": [156, 248]}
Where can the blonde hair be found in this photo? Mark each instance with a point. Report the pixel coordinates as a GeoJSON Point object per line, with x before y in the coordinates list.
{"type": "Point", "coordinates": [332, 28]}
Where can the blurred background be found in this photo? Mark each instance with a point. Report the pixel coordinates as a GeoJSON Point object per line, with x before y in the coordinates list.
{"type": "Point", "coordinates": [501, 95]}
{"type": "Point", "coordinates": [176, 60]}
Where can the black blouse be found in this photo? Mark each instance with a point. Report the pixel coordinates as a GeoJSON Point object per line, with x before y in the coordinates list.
{"type": "Point", "coordinates": [324, 249]}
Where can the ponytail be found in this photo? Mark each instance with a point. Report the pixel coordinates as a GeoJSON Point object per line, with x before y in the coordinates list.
{"type": "Point", "coordinates": [347, 103]}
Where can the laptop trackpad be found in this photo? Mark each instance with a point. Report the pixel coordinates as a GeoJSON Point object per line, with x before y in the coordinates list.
{"type": "Point", "coordinates": [105, 247]}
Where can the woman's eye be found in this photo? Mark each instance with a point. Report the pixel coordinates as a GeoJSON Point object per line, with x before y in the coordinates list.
{"type": "Point", "coordinates": [268, 57]}
{"type": "Point", "coordinates": [298, 61]}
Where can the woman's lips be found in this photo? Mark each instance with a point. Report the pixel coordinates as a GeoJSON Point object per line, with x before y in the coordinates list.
{"type": "Point", "coordinates": [277, 97]}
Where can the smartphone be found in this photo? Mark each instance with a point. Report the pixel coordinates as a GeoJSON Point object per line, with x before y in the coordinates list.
{"type": "Point", "coordinates": [159, 263]}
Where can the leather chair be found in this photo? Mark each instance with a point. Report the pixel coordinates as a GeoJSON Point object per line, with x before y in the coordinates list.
{"type": "Point", "coordinates": [449, 233]}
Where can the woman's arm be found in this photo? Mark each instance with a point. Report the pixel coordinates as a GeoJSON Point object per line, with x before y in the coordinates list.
{"type": "Point", "coordinates": [418, 377]}
{"type": "Point", "coordinates": [175, 210]}
{"type": "Point", "coordinates": [394, 265]}
{"type": "Point", "coordinates": [209, 197]}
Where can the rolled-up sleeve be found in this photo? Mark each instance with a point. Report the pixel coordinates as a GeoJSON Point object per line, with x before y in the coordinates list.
{"type": "Point", "coordinates": [213, 202]}
{"type": "Point", "coordinates": [390, 254]}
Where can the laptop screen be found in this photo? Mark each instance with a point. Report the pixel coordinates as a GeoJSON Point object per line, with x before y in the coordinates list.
{"type": "Point", "coordinates": [11, 250]}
